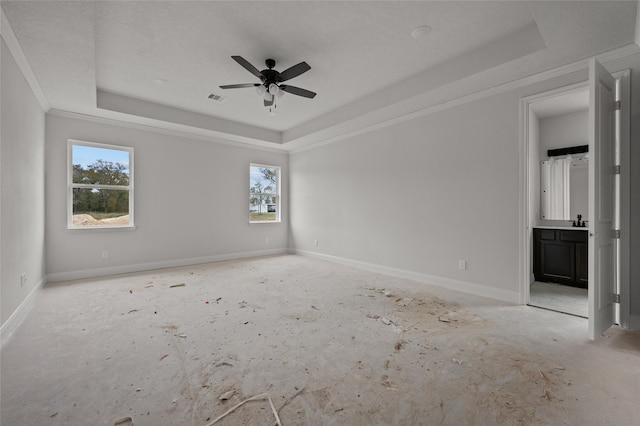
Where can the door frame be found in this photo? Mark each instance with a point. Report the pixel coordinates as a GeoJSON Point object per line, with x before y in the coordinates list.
{"type": "Point", "coordinates": [526, 221]}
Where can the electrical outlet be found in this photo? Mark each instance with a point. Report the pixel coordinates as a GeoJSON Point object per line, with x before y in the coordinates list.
{"type": "Point", "coordinates": [23, 279]}
{"type": "Point", "coordinates": [462, 265]}
{"type": "Point", "coordinates": [105, 254]}
{"type": "Point", "coordinates": [315, 243]}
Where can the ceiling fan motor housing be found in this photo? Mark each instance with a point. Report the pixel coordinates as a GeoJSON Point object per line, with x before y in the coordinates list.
{"type": "Point", "coordinates": [270, 76]}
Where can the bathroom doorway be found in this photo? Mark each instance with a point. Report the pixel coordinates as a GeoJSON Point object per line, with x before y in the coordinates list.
{"type": "Point", "coordinates": [558, 164]}
{"type": "Point", "coordinates": [604, 237]}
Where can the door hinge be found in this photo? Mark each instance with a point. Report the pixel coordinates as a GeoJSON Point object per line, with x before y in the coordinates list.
{"type": "Point", "coordinates": [616, 170]}
{"type": "Point", "coordinates": [616, 234]}
{"type": "Point", "coordinates": [616, 298]}
{"type": "Point", "coordinates": [617, 106]}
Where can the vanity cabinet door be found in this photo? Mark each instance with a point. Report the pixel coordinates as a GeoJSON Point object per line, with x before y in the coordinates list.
{"type": "Point", "coordinates": [560, 256]}
{"type": "Point", "coordinates": [558, 261]}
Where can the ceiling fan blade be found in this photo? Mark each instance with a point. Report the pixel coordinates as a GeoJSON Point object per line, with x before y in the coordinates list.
{"type": "Point", "coordinates": [294, 71]}
{"type": "Point", "coordinates": [246, 65]}
{"type": "Point", "coordinates": [297, 91]}
{"type": "Point", "coordinates": [240, 86]}
{"type": "Point", "coordinates": [268, 102]}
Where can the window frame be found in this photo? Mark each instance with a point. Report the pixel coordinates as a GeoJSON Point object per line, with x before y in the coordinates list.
{"type": "Point", "coordinates": [278, 203]}
{"type": "Point", "coordinates": [71, 185]}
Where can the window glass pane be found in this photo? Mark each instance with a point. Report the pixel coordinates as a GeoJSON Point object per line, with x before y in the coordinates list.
{"type": "Point", "coordinates": [264, 199]}
{"type": "Point", "coordinates": [99, 207]}
{"type": "Point", "coordinates": [262, 211]}
{"type": "Point", "coordinates": [100, 166]}
{"type": "Point", "coordinates": [263, 180]}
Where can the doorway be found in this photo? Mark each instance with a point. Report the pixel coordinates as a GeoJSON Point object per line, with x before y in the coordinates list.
{"type": "Point", "coordinates": [611, 283]}
{"type": "Point", "coordinates": [558, 187]}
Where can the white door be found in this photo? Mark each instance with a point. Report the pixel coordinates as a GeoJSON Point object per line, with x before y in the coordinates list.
{"type": "Point", "coordinates": [602, 96]}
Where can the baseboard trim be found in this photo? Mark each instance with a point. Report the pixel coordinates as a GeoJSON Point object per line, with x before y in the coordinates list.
{"type": "Point", "coordinates": [12, 323]}
{"type": "Point", "coordinates": [448, 283]}
{"type": "Point", "coordinates": [139, 267]}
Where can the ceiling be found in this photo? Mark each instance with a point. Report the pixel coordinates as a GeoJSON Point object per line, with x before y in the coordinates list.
{"type": "Point", "coordinates": [565, 103]}
{"type": "Point", "coordinates": [157, 62]}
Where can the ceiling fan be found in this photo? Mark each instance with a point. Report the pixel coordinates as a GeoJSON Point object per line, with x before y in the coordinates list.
{"type": "Point", "coordinates": [270, 86]}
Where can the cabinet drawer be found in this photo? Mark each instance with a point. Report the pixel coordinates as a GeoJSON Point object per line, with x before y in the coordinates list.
{"type": "Point", "coordinates": [547, 234]}
{"type": "Point", "coordinates": [573, 236]}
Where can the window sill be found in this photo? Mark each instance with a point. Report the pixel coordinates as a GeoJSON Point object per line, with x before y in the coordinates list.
{"type": "Point", "coordinates": [102, 228]}
{"type": "Point", "coordinates": [264, 221]}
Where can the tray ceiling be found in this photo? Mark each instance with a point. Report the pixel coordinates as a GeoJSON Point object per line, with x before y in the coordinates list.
{"type": "Point", "coordinates": [159, 61]}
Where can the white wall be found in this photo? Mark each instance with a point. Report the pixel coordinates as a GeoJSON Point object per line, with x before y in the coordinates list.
{"type": "Point", "coordinates": [563, 131]}
{"type": "Point", "coordinates": [22, 199]}
{"type": "Point", "coordinates": [191, 203]}
{"type": "Point", "coordinates": [419, 196]}
{"type": "Point", "coordinates": [579, 195]}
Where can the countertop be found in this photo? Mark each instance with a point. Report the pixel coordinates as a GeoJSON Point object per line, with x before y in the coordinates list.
{"type": "Point", "coordinates": [569, 228]}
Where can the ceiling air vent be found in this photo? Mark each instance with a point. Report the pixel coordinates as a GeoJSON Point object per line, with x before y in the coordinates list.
{"type": "Point", "coordinates": [217, 98]}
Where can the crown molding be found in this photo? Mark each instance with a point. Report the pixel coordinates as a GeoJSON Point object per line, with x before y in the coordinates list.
{"type": "Point", "coordinates": [155, 126]}
{"type": "Point", "coordinates": [9, 37]}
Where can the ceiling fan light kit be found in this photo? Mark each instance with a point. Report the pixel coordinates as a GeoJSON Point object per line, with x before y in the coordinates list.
{"type": "Point", "coordinates": [270, 86]}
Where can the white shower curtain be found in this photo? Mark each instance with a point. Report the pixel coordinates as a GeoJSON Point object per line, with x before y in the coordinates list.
{"type": "Point", "coordinates": [555, 185]}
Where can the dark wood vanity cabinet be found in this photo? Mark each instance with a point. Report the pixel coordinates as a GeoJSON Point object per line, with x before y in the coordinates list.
{"type": "Point", "coordinates": [561, 256]}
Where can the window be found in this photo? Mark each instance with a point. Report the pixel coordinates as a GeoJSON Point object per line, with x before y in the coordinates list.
{"type": "Point", "coordinates": [264, 193]}
{"type": "Point", "coordinates": [100, 193]}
